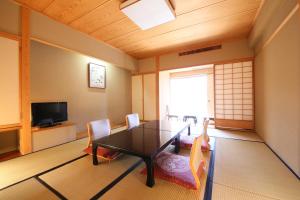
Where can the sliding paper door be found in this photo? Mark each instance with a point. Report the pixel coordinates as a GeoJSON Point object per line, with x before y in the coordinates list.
{"type": "Point", "coordinates": [234, 95]}
{"type": "Point", "coordinates": [149, 97]}
{"type": "Point", "coordinates": [137, 95]}
{"type": "Point", "coordinates": [9, 86]}
{"type": "Point", "coordinates": [144, 96]}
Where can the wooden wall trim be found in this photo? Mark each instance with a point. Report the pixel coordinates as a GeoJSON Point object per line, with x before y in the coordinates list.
{"type": "Point", "coordinates": [234, 124]}
{"type": "Point", "coordinates": [234, 60]}
{"type": "Point", "coordinates": [210, 63]}
{"type": "Point", "coordinates": [10, 36]}
{"type": "Point", "coordinates": [194, 72]}
{"type": "Point", "coordinates": [25, 132]}
{"type": "Point", "coordinates": [143, 73]}
{"type": "Point", "coordinates": [9, 127]}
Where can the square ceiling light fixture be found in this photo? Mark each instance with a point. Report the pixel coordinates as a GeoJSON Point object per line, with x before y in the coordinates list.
{"type": "Point", "coordinates": [148, 13]}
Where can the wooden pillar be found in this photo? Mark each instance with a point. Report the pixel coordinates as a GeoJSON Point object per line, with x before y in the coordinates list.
{"type": "Point", "coordinates": [25, 132]}
{"type": "Point", "coordinates": [157, 64]}
{"type": "Point", "coordinates": [143, 96]}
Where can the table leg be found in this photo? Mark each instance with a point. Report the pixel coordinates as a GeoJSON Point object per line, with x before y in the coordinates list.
{"type": "Point", "coordinates": [95, 159]}
{"type": "Point", "coordinates": [189, 130]}
{"type": "Point", "coordinates": [177, 144]}
{"type": "Point", "coordinates": [150, 172]}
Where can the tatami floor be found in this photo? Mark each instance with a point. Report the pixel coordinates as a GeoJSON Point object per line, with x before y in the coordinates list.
{"type": "Point", "coordinates": [242, 167]}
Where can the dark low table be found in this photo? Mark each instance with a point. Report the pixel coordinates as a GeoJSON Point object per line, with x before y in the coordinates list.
{"type": "Point", "coordinates": [186, 117]}
{"type": "Point", "coordinates": [144, 141]}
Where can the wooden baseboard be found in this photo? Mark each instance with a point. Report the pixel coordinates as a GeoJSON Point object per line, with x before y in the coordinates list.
{"type": "Point", "coordinates": [10, 155]}
{"type": "Point", "coordinates": [234, 124]}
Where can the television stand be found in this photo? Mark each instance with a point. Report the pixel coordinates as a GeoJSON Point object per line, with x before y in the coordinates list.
{"type": "Point", "coordinates": [49, 125]}
{"type": "Point", "coordinates": [45, 137]}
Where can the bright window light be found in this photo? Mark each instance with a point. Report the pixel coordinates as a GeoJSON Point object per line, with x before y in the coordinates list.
{"type": "Point", "coordinates": [189, 96]}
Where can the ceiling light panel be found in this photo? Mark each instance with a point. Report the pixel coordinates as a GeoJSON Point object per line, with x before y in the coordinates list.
{"type": "Point", "coordinates": [148, 13]}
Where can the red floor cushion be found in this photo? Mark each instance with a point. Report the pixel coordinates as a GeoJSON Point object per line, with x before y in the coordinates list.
{"type": "Point", "coordinates": [175, 168]}
{"type": "Point", "coordinates": [205, 146]}
{"type": "Point", "coordinates": [186, 142]}
{"type": "Point", "coordinates": [103, 152]}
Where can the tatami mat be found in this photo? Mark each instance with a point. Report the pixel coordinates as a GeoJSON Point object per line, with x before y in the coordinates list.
{"type": "Point", "coordinates": [27, 190]}
{"type": "Point", "coordinates": [23, 167]}
{"type": "Point", "coordinates": [221, 192]}
{"type": "Point", "coordinates": [252, 167]}
{"type": "Point", "coordinates": [82, 180]}
{"type": "Point", "coordinates": [133, 187]}
{"type": "Point", "coordinates": [229, 134]}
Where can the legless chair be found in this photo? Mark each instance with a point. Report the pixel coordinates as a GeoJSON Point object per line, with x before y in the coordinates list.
{"type": "Point", "coordinates": [205, 142]}
{"type": "Point", "coordinates": [96, 130]}
{"type": "Point", "coordinates": [186, 141]}
{"type": "Point", "coordinates": [132, 120]}
{"type": "Point", "coordinates": [196, 160]}
{"type": "Point", "coordinates": [182, 170]}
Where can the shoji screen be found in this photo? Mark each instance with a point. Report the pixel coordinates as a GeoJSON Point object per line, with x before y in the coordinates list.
{"type": "Point", "coordinates": [234, 95]}
{"type": "Point", "coordinates": [9, 86]}
{"type": "Point", "coordinates": [144, 96]}
{"type": "Point", "coordinates": [149, 97]}
{"type": "Point", "coordinates": [137, 95]}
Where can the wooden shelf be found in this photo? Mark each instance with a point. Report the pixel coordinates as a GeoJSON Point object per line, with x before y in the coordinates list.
{"type": "Point", "coordinates": [9, 127]}
{"type": "Point", "coordinates": [38, 129]}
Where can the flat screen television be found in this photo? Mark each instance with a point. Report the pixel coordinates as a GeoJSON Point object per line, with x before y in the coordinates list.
{"type": "Point", "coordinates": [49, 114]}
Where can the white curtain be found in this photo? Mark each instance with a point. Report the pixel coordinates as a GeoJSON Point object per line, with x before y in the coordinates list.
{"type": "Point", "coordinates": [189, 96]}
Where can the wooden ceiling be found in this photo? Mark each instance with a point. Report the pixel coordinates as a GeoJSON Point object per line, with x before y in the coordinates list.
{"type": "Point", "coordinates": [198, 22]}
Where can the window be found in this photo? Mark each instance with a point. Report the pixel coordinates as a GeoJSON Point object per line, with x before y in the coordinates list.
{"type": "Point", "coordinates": [189, 96]}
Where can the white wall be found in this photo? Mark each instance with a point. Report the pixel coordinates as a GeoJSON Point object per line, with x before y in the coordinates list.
{"type": "Point", "coordinates": [277, 92]}
{"type": "Point", "coordinates": [9, 17]}
{"type": "Point", "coordinates": [270, 17]}
{"type": "Point", "coordinates": [234, 49]}
{"type": "Point", "coordinates": [44, 28]}
{"type": "Point", "coordinates": [146, 65]}
{"type": "Point", "coordinates": [60, 75]}
{"type": "Point", "coordinates": [230, 50]}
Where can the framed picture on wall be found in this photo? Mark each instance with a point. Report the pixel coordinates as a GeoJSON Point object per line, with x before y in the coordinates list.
{"type": "Point", "coordinates": [97, 76]}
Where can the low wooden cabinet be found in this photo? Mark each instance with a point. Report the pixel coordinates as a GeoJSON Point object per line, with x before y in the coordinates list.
{"type": "Point", "coordinates": [43, 138]}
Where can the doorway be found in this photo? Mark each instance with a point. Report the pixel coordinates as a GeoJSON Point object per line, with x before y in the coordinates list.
{"type": "Point", "coordinates": [187, 92]}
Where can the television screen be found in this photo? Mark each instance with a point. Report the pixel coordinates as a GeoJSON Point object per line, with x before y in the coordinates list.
{"type": "Point", "coordinates": [48, 113]}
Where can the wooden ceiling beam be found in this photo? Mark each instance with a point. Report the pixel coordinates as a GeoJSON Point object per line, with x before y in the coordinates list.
{"type": "Point", "coordinates": [214, 12]}
{"type": "Point", "coordinates": [103, 20]}
{"type": "Point", "coordinates": [207, 30]}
